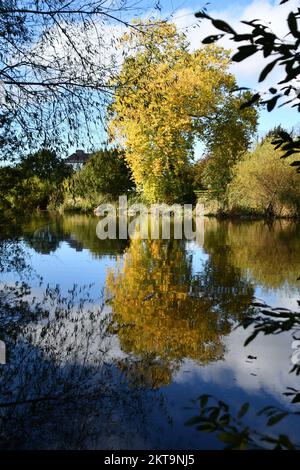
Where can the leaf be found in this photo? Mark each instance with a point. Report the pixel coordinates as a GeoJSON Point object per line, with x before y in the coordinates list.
{"type": "Point", "coordinates": [272, 103]}
{"type": "Point", "coordinates": [264, 410]}
{"type": "Point", "coordinates": [243, 37]}
{"type": "Point", "coordinates": [265, 72]}
{"type": "Point", "coordinates": [275, 419]}
{"type": "Point", "coordinates": [229, 438]}
{"type": "Point", "coordinates": [292, 22]}
{"type": "Point", "coordinates": [194, 420]}
{"type": "Point", "coordinates": [244, 52]}
{"type": "Point", "coordinates": [243, 410]}
{"type": "Point", "coordinates": [284, 440]}
{"type": "Point", "coordinates": [241, 88]}
{"type": "Point", "coordinates": [201, 14]}
{"type": "Point", "coordinates": [251, 338]}
{"type": "Point", "coordinates": [206, 427]}
{"type": "Point", "coordinates": [211, 39]}
{"type": "Point", "coordinates": [203, 400]}
{"type": "Point", "coordinates": [296, 399]}
{"type": "Point", "coordinates": [223, 26]}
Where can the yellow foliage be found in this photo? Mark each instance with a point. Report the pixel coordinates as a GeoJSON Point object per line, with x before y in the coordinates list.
{"type": "Point", "coordinates": [163, 95]}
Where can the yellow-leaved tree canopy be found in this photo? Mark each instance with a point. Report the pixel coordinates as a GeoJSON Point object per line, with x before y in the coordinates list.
{"type": "Point", "coordinates": [165, 97]}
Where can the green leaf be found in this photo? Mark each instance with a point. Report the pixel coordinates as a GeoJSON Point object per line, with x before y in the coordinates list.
{"type": "Point", "coordinates": [206, 427]}
{"type": "Point", "coordinates": [264, 409]}
{"type": "Point", "coordinates": [229, 438]}
{"type": "Point", "coordinates": [203, 400]}
{"type": "Point", "coordinates": [243, 410]}
{"type": "Point", "coordinates": [284, 440]}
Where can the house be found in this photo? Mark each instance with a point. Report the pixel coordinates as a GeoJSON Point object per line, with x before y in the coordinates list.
{"type": "Point", "coordinates": [78, 159]}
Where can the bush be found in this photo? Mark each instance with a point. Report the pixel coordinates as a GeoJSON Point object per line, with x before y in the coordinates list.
{"type": "Point", "coordinates": [104, 177]}
{"type": "Point", "coordinates": [265, 184]}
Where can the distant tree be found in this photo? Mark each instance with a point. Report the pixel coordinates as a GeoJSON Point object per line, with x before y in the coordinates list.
{"type": "Point", "coordinates": [106, 173]}
{"type": "Point", "coordinates": [283, 52]}
{"type": "Point", "coordinates": [46, 165]}
{"type": "Point", "coordinates": [265, 184]}
{"type": "Point", "coordinates": [33, 182]}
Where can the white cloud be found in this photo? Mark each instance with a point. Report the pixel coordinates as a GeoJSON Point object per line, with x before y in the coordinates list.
{"type": "Point", "coordinates": [269, 372]}
{"type": "Point", "coordinates": [247, 72]}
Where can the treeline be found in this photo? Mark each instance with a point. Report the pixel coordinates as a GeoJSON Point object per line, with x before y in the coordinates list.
{"type": "Point", "coordinates": [260, 183]}
{"type": "Point", "coordinates": [165, 100]}
{"type": "Point", "coordinates": [44, 181]}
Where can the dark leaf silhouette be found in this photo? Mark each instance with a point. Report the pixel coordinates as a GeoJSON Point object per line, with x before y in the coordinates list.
{"type": "Point", "coordinates": [244, 52]}
{"type": "Point", "coordinates": [265, 72]}
{"type": "Point", "coordinates": [223, 26]}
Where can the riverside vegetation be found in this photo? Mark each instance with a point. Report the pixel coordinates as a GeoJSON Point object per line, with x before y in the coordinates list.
{"type": "Point", "coordinates": [153, 129]}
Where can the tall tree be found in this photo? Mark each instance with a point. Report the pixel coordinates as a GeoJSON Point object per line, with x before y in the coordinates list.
{"type": "Point", "coordinates": [171, 96]}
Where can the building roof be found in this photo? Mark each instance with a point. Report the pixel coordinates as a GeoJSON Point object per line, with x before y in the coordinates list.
{"type": "Point", "coordinates": [80, 156]}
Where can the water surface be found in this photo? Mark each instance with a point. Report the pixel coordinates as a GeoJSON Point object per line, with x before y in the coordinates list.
{"type": "Point", "coordinates": [117, 355]}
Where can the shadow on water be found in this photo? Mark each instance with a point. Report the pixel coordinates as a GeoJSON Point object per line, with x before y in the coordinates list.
{"type": "Point", "coordinates": [60, 388]}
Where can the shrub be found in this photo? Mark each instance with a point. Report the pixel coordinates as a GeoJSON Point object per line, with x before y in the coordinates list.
{"type": "Point", "coordinates": [264, 183]}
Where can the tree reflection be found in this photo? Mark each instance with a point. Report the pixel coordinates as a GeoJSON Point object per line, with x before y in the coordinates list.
{"type": "Point", "coordinates": [164, 314]}
{"type": "Point", "coordinates": [255, 246]}
{"type": "Point", "coordinates": [59, 388]}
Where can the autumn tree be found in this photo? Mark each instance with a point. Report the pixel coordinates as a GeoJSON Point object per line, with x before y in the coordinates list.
{"type": "Point", "coordinates": [171, 96]}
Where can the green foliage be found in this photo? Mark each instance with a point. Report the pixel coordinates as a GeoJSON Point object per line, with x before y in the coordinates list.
{"type": "Point", "coordinates": [46, 165]}
{"type": "Point", "coordinates": [265, 184]}
{"type": "Point", "coordinates": [33, 183]}
{"type": "Point", "coordinates": [228, 137]}
{"type": "Point", "coordinates": [229, 426]}
{"type": "Point", "coordinates": [104, 177]}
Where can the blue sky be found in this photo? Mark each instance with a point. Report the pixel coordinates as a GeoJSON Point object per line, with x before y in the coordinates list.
{"type": "Point", "coordinates": [247, 72]}
{"type": "Point", "coordinates": [182, 13]}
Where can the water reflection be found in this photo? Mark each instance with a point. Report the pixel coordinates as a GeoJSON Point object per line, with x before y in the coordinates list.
{"type": "Point", "coordinates": [268, 252]}
{"type": "Point", "coordinates": [161, 311]}
{"type": "Point", "coordinates": [78, 376]}
{"type": "Point", "coordinates": [59, 388]}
